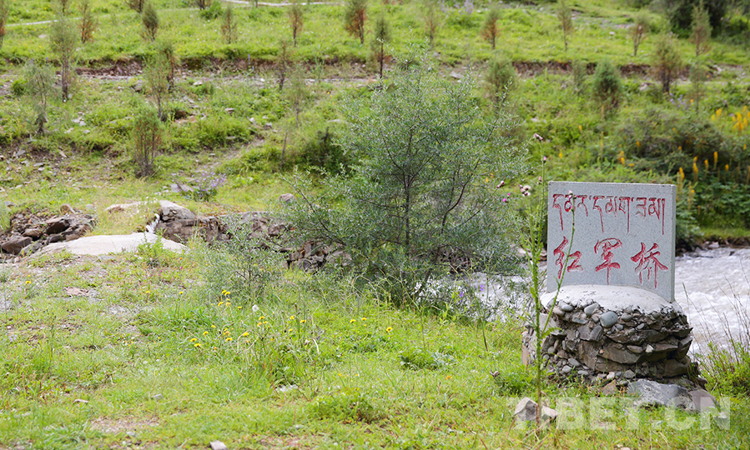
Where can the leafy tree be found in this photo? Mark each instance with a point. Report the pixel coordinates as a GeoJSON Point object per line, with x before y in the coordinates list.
{"type": "Point", "coordinates": [88, 22]}
{"type": "Point", "coordinates": [297, 93]}
{"type": "Point", "coordinates": [607, 86]}
{"type": "Point", "coordinates": [565, 15]}
{"type": "Point", "coordinates": [639, 30]}
{"type": "Point", "coordinates": [490, 31]}
{"type": "Point", "coordinates": [296, 19]}
{"type": "Point", "coordinates": [431, 14]}
{"type": "Point", "coordinates": [150, 20]}
{"type": "Point", "coordinates": [63, 42]}
{"type": "Point", "coordinates": [701, 29]}
{"type": "Point", "coordinates": [355, 15]}
{"type": "Point", "coordinates": [666, 61]}
{"type": "Point", "coordinates": [147, 139]}
{"type": "Point", "coordinates": [499, 79]}
{"type": "Point", "coordinates": [229, 26]}
{"type": "Point", "coordinates": [4, 9]}
{"type": "Point", "coordinates": [39, 87]}
{"type": "Point", "coordinates": [421, 198]}
{"type": "Point", "coordinates": [680, 13]}
{"type": "Point", "coordinates": [381, 35]}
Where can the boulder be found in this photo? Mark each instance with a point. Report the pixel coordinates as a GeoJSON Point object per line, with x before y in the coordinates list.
{"type": "Point", "coordinates": [15, 244]}
{"type": "Point", "coordinates": [650, 393]}
{"type": "Point", "coordinates": [526, 411]}
{"type": "Point", "coordinates": [169, 211]}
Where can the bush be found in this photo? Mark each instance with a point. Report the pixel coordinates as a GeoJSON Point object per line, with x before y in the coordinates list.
{"type": "Point", "coordinates": [212, 12]}
{"type": "Point", "coordinates": [499, 80]}
{"type": "Point", "coordinates": [4, 8]}
{"type": "Point", "coordinates": [680, 14]}
{"type": "Point", "coordinates": [607, 86]}
{"type": "Point", "coordinates": [355, 15]}
{"type": "Point", "coordinates": [150, 21]}
{"type": "Point", "coordinates": [666, 61]}
{"type": "Point", "coordinates": [147, 138]}
{"type": "Point", "coordinates": [421, 200]}
{"type": "Point", "coordinates": [324, 152]}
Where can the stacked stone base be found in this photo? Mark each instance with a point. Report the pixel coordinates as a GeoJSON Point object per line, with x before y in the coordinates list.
{"type": "Point", "coordinates": [600, 332]}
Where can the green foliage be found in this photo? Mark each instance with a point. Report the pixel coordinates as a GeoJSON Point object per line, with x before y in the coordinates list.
{"type": "Point", "coordinates": [700, 31]}
{"type": "Point", "coordinates": [513, 379]}
{"type": "Point", "coordinates": [381, 35]}
{"type": "Point", "coordinates": [728, 369]}
{"type": "Point", "coordinates": [63, 42]}
{"type": "Point", "coordinates": [324, 152]}
{"type": "Point", "coordinates": [157, 72]}
{"type": "Point", "coordinates": [229, 26]}
{"type": "Point", "coordinates": [136, 5]}
{"type": "Point", "coordinates": [296, 19]}
{"type": "Point", "coordinates": [666, 61]}
{"type": "Point", "coordinates": [432, 20]}
{"type": "Point", "coordinates": [680, 14]}
{"type": "Point", "coordinates": [39, 88]}
{"type": "Point", "coordinates": [607, 86]}
{"type": "Point", "coordinates": [499, 80]}
{"type": "Point", "coordinates": [355, 15]}
{"type": "Point", "coordinates": [565, 16]}
{"type": "Point", "coordinates": [150, 21]}
{"type": "Point", "coordinates": [213, 11]}
{"type": "Point", "coordinates": [18, 87]}
{"type": "Point", "coordinates": [490, 30]}
{"type": "Point", "coordinates": [244, 265]}
{"type": "Point", "coordinates": [88, 23]}
{"type": "Point", "coordinates": [422, 197]}
{"type": "Point", "coordinates": [417, 358]}
{"type": "Point", "coordinates": [147, 137]}
{"type": "Point", "coordinates": [579, 71]}
{"type": "Point", "coordinates": [640, 28]}
{"type": "Point", "coordinates": [344, 405]}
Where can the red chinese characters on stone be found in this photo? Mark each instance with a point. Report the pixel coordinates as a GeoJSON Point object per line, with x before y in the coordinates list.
{"type": "Point", "coordinates": [646, 261]}
{"type": "Point", "coordinates": [605, 247]}
{"type": "Point", "coordinates": [560, 261]}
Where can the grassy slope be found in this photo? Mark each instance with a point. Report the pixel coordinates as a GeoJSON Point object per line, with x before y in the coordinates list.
{"type": "Point", "coordinates": [126, 341]}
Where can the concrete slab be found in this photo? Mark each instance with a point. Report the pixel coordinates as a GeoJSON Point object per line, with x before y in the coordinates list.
{"type": "Point", "coordinates": [615, 298]}
{"type": "Point", "coordinates": [102, 245]}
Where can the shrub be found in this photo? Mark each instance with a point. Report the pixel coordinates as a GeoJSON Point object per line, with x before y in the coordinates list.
{"type": "Point", "coordinates": [579, 71]}
{"type": "Point", "coordinates": [147, 139]}
{"type": "Point", "coordinates": [700, 31]}
{"type": "Point", "coordinates": [565, 16]}
{"type": "Point", "coordinates": [296, 19]}
{"type": "Point", "coordinates": [212, 12]}
{"type": "Point", "coordinates": [381, 35]}
{"type": "Point", "coordinates": [431, 14]}
{"type": "Point", "coordinates": [680, 14]}
{"type": "Point", "coordinates": [150, 21]}
{"type": "Point", "coordinates": [157, 72]}
{"type": "Point", "coordinates": [229, 26]}
{"type": "Point", "coordinates": [499, 80]}
{"type": "Point", "coordinates": [639, 30]}
{"type": "Point", "coordinates": [63, 40]}
{"type": "Point", "coordinates": [88, 23]}
{"type": "Point", "coordinates": [607, 86]}
{"type": "Point", "coordinates": [421, 198]}
{"type": "Point", "coordinates": [324, 152]}
{"type": "Point", "coordinates": [355, 15]}
{"type": "Point", "coordinates": [666, 61]}
{"type": "Point", "coordinates": [490, 30]}
{"type": "Point", "coordinates": [39, 87]}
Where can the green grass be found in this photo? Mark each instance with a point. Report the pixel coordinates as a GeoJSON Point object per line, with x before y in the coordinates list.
{"type": "Point", "coordinates": [117, 361]}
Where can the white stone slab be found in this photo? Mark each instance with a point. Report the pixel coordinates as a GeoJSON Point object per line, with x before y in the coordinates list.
{"type": "Point", "coordinates": [101, 245]}
{"type": "Point", "coordinates": [624, 235]}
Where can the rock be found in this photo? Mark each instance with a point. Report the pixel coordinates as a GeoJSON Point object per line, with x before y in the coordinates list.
{"type": "Point", "coordinates": [566, 307]}
{"type": "Point", "coordinates": [15, 244]}
{"type": "Point", "coordinates": [169, 211]}
{"type": "Point", "coordinates": [138, 87]}
{"type": "Point", "coordinates": [674, 368]}
{"type": "Point", "coordinates": [591, 309]}
{"type": "Point", "coordinates": [702, 400]}
{"type": "Point", "coordinates": [629, 374]}
{"type": "Point", "coordinates": [34, 233]}
{"type": "Point", "coordinates": [157, 397]}
{"type": "Point", "coordinates": [610, 389]}
{"type": "Point", "coordinates": [526, 411]}
{"type": "Point", "coordinates": [566, 369]}
{"type": "Point", "coordinates": [229, 110]}
{"type": "Point", "coordinates": [651, 393]}
{"type": "Point", "coordinates": [619, 355]}
{"type": "Point", "coordinates": [218, 445]}
{"type": "Point", "coordinates": [57, 225]}
{"type": "Point", "coordinates": [608, 319]}
{"type": "Point", "coordinates": [286, 198]}
{"type": "Point", "coordinates": [67, 209]}
{"type": "Point", "coordinates": [455, 75]}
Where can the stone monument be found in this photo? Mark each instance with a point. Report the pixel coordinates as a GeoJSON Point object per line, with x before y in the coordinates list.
{"type": "Point", "coordinates": [610, 284]}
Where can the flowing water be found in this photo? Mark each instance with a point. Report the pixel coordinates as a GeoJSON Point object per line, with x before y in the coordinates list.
{"type": "Point", "coordinates": [713, 288]}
